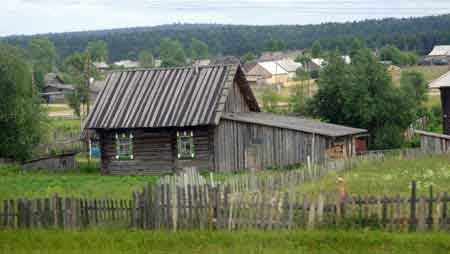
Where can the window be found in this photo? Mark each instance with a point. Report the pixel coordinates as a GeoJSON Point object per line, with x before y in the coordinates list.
{"type": "Point", "coordinates": [124, 146]}
{"type": "Point", "coordinates": [185, 145]}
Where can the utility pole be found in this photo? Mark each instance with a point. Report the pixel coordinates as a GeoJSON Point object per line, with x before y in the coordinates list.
{"type": "Point", "coordinates": [87, 79]}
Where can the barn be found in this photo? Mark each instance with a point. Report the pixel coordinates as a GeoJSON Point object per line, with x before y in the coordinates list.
{"type": "Point", "coordinates": [155, 121]}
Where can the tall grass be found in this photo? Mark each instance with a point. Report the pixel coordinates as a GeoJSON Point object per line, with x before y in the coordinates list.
{"type": "Point", "coordinates": [122, 241]}
{"type": "Point", "coordinates": [391, 177]}
{"type": "Point", "coordinates": [84, 182]}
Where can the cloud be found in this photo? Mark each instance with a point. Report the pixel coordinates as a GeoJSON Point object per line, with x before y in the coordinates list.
{"type": "Point", "coordinates": [43, 16]}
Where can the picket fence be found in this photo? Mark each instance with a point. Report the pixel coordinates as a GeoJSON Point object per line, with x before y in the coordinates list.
{"type": "Point", "coordinates": [203, 207]}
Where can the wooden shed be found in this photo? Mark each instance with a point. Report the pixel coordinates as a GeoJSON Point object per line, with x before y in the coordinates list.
{"type": "Point", "coordinates": [154, 121]}
{"type": "Point", "coordinates": [443, 84]}
{"type": "Point", "coordinates": [433, 143]}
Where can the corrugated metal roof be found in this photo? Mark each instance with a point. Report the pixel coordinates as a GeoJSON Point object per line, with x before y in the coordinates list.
{"type": "Point", "coordinates": [440, 50]}
{"type": "Point", "coordinates": [289, 65]}
{"type": "Point", "coordinates": [152, 98]}
{"type": "Point", "coordinates": [294, 123]}
{"type": "Point", "coordinates": [443, 81]}
{"type": "Point", "coordinates": [273, 68]}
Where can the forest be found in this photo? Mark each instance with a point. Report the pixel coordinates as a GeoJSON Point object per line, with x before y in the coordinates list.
{"type": "Point", "coordinates": [410, 34]}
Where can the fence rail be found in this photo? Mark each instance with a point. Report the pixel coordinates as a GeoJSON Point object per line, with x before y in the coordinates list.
{"type": "Point", "coordinates": [203, 207]}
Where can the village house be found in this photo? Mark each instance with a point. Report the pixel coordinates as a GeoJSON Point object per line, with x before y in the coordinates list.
{"type": "Point", "coordinates": [55, 90]}
{"type": "Point", "coordinates": [439, 52]}
{"type": "Point", "coordinates": [290, 66]}
{"type": "Point", "coordinates": [315, 64]}
{"type": "Point", "coordinates": [154, 121]}
{"type": "Point", "coordinates": [256, 75]}
{"type": "Point", "coordinates": [102, 67]}
{"type": "Point", "coordinates": [437, 142]}
{"type": "Point", "coordinates": [278, 75]}
{"type": "Point", "coordinates": [127, 64]}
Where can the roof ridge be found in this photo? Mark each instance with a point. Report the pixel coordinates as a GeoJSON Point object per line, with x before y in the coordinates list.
{"type": "Point", "coordinates": [173, 68]}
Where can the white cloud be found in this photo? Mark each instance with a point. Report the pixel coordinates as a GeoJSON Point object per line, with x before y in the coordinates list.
{"type": "Point", "coordinates": [42, 16]}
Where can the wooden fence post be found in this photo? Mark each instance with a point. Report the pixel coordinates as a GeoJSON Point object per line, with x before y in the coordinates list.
{"type": "Point", "coordinates": [430, 209]}
{"type": "Point", "coordinates": [134, 210]}
{"type": "Point", "coordinates": [5, 213]}
{"type": "Point", "coordinates": [412, 218]}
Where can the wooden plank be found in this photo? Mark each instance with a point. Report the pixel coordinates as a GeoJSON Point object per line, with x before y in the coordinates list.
{"type": "Point", "coordinates": [47, 213]}
{"type": "Point", "coordinates": [5, 213]}
{"type": "Point", "coordinates": [311, 216]}
{"type": "Point", "coordinates": [437, 215]}
{"type": "Point", "coordinates": [134, 207]}
{"type": "Point", "coordinates": [413, 217]}
{"type": "Point", "coordinates": [421, 215]}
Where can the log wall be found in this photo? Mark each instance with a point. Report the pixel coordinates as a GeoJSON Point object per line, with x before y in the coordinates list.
{"type": "Point", "coordinates": [155, 152]}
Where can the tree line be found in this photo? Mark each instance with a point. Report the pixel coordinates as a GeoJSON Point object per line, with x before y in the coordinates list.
{"type": "Point", "coordinates": [409, 34]}
{"type": "Point", "coordinates": [362, 95]}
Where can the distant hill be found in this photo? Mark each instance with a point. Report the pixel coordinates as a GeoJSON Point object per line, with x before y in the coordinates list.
{"type": "Point", "coordinates": [417, 34]}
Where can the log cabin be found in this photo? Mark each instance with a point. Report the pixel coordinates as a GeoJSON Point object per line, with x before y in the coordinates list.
{"type": "Point", "coordinates": [156, 121]}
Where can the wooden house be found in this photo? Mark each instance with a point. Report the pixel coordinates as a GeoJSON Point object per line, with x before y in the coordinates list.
{"type": "Point", "coordinates": [55, 90]}
{"type": "Point", "coordinates": [154, 121]}
{"type": "Point", "coordinates": [439, 52]}
{"type": "Point", "coordinates": [443, 84]}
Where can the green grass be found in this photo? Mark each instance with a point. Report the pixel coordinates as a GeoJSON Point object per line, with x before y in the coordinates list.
{"type": "Point", "coordinates": [279, 242]}
{"type": "Point", "coordinates": [430, 72]}
{"type": "Point", "coordinates": [79, 183]}
{"type": "Point", "coordinates": [65, 125]}
{"type": "Point", "coordinates": [391, 177]}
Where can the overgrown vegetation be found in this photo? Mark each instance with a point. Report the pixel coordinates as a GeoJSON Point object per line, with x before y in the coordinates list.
{"type": "Point", "coordinates": [279, 242]}
{"type": "Point", "coordinates": [21, 116]}
{"type": "Point", "coordinates": [362, 95]}
{"type": "Point", "coordinates": [389, 177]}
{"type": "Point", "coordinates": [84, 182]}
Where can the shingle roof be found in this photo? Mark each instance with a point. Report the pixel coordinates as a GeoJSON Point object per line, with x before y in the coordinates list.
{"type": "Point", "coordinates": [442, 81]}
{"type": "Point", "coordinates": [171, 97]}
{"type": "Point", "coordinates": [294, 123]}
{"type": "Point", "coordinates": [440, 50]}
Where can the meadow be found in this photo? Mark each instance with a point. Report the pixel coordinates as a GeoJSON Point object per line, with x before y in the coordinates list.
{"type": "Point", "coordinates": [391, 177]}
{"type": "Point", "coordinates": [311, 242]}
{"type": "Point", "coordinates": [84, 182]}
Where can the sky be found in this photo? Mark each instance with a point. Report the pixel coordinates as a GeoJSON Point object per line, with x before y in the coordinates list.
{"type": "Point", "coordinates": [52, 16]}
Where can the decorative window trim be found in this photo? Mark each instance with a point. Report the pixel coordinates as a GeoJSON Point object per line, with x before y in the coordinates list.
{"type": "Point", "coordinates": [189, 135]}
{"type": "Point", "coordinates": [121, 139]}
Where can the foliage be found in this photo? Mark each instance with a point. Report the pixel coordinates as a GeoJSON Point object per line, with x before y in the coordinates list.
{"type": "Point", "coordinates": [43, 54]}
{"type": "Point", "coordinates": [22, 119]}
{"type": "Point", "coordinates": [362, 95]}
{"type": "Point", "coordinates": [39, 78]}
{"type": "Point", "coordinates": [355, 47]}
{"type": "Point", "coordinates": [411, 34]}
{"type": "Point", "coordinates": [275, 44]}
{"type": "Point", "coordinates": [146, 59]}
{"type": "Point", "coordinates": [414, 85]}
{"type": "Point", "coordinates": [303, 59]}
{"type": "Point", "coordinates": [199, 49]}
{"type": "Point", "coordinates": [316, 49]}
{"type": "Point", "coordinates": [270, 100]}
{"type": "Point", "coordinates": [77, 69]}
{"type": "Point", "coordinates": [391, 176]}
{"type": "Point", "coordinates": [172, 53]}
{"type": "Point", "coordinates": [398, 57]}
{"type": "Point", "coordinates": [249, 57]}
{"type": "Point", "coordinates": [98, 50]}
